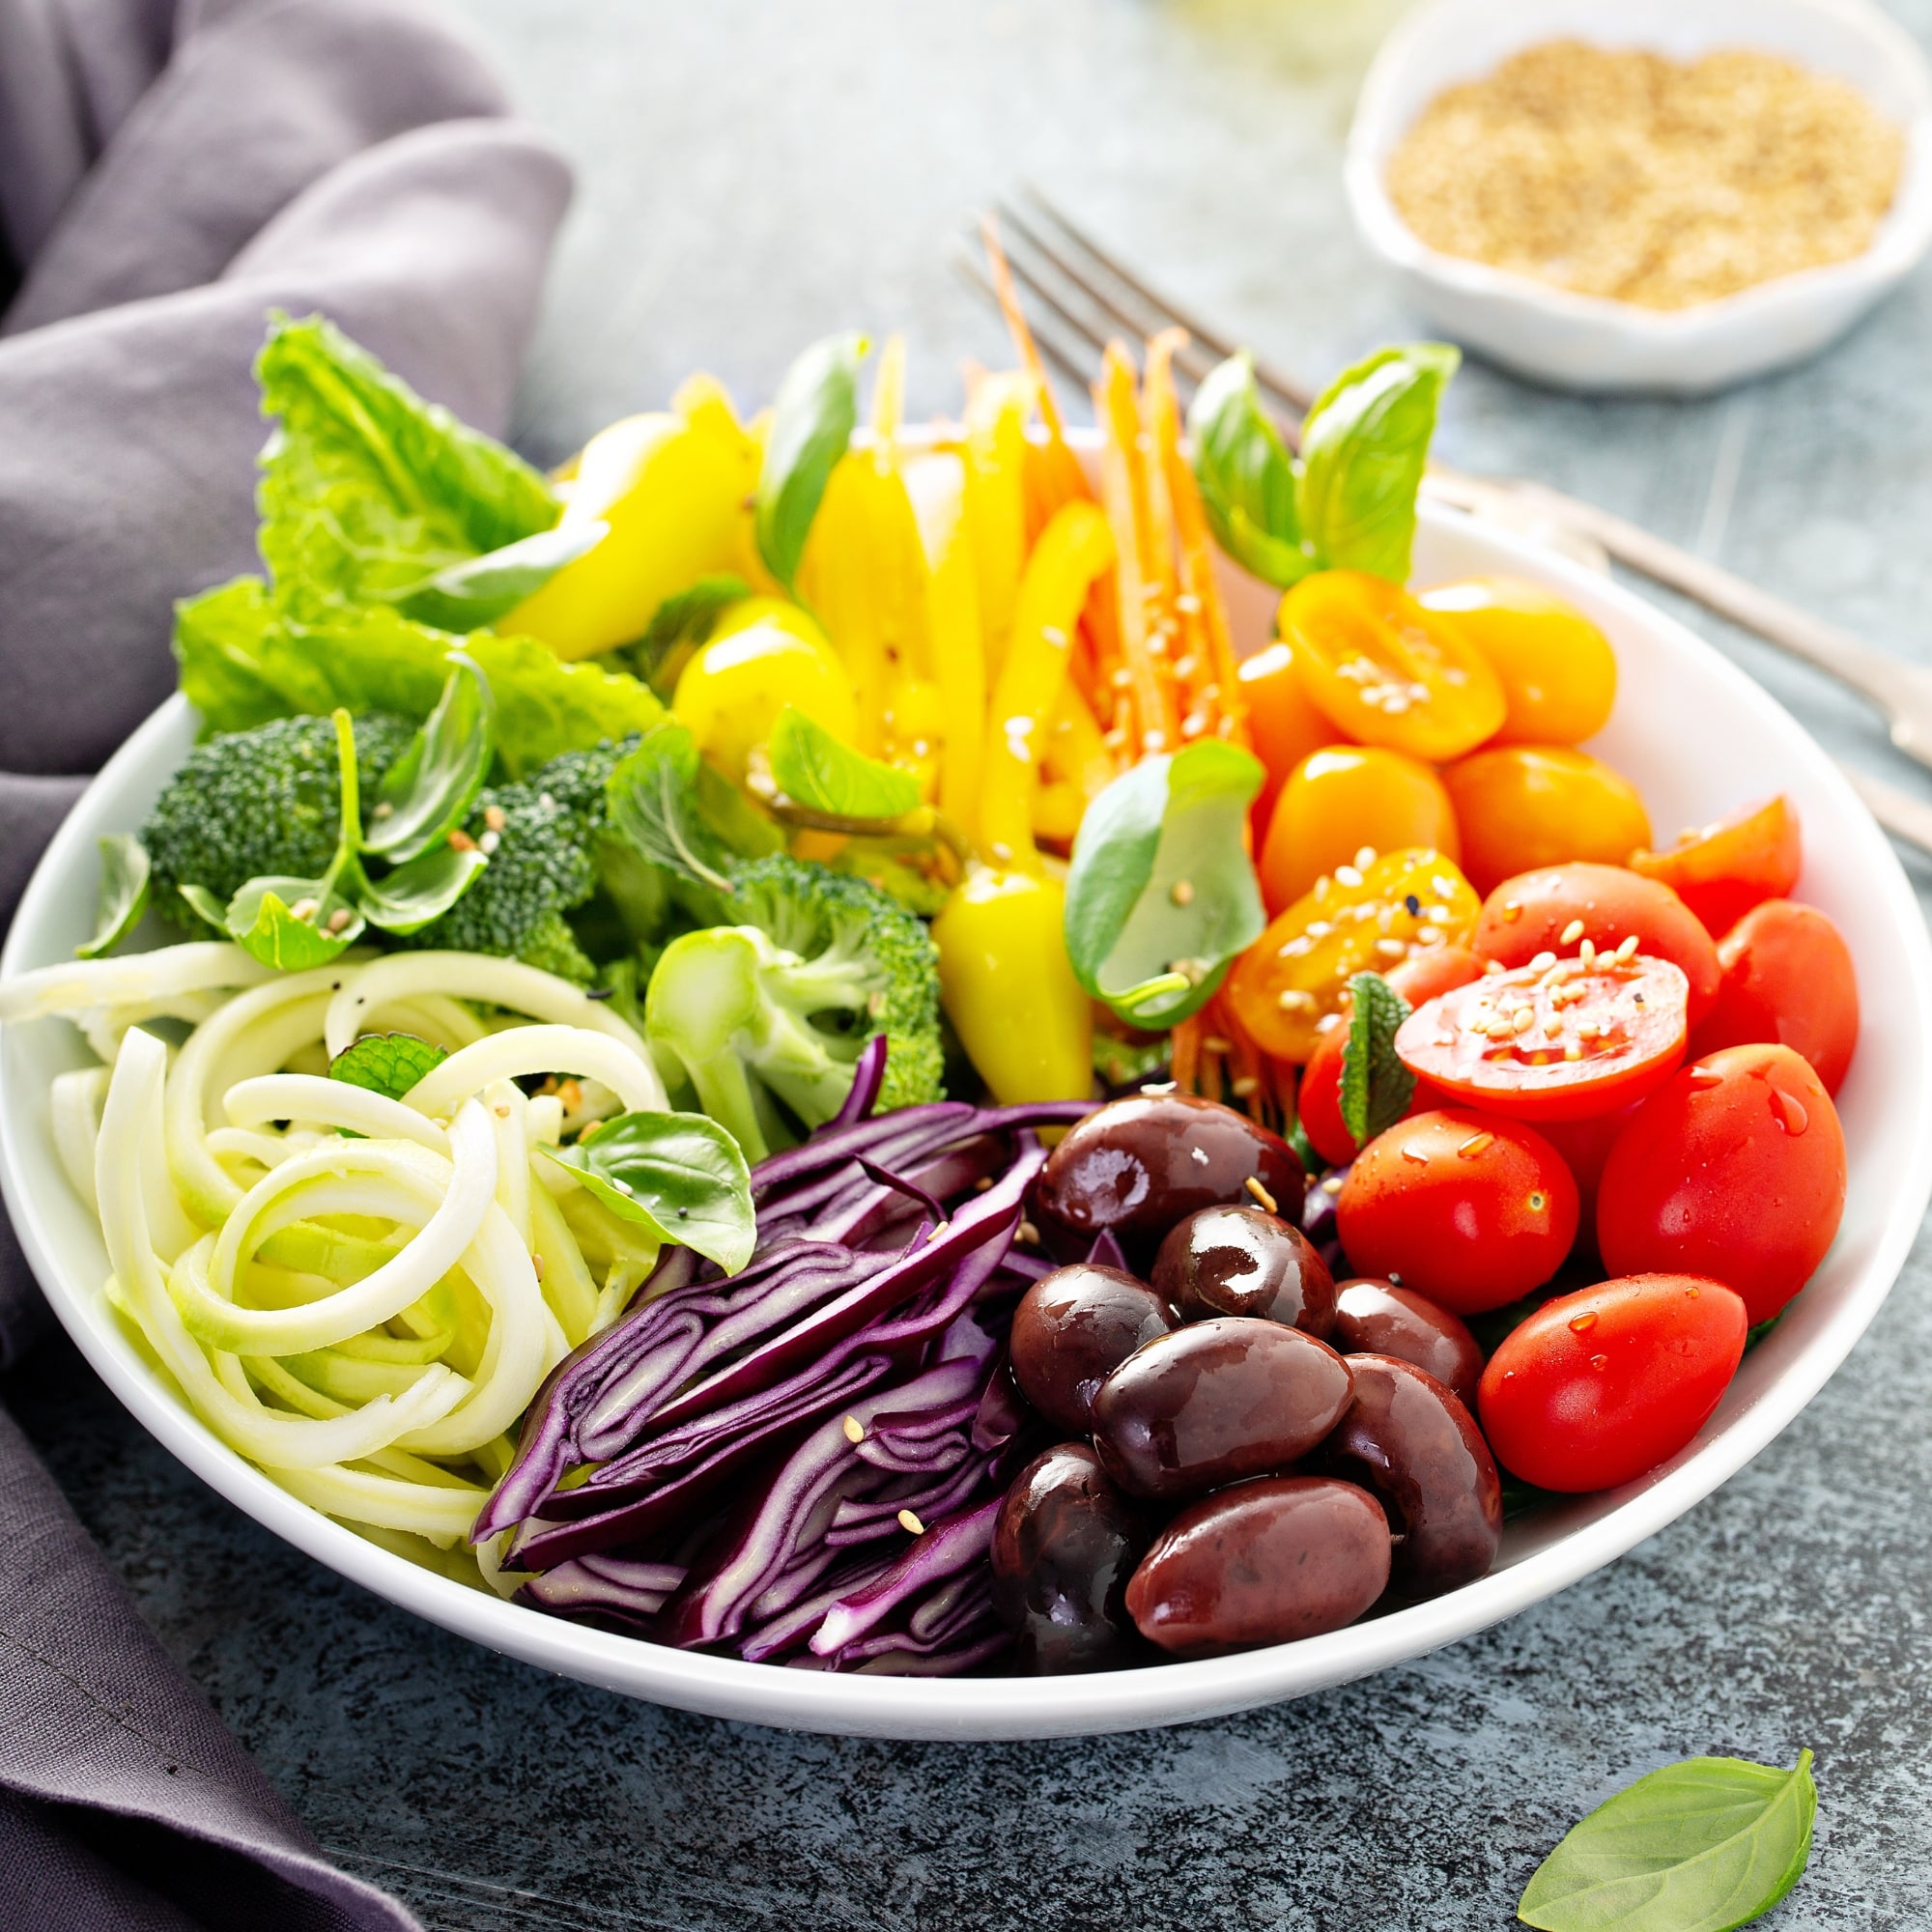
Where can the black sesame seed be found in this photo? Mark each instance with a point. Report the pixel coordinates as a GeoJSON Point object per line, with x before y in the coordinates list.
{"type": "Point", "coordinates": [1414, 904]}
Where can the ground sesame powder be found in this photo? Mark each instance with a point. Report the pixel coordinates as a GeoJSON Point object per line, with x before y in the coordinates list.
{"type": "Point", "coordinates": [1615, 172]}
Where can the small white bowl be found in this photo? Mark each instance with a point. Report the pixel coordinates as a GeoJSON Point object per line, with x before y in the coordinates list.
{"type": "Point", "coordinates": [1590, 342]}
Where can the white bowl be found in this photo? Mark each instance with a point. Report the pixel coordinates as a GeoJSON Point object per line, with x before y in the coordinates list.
{"type": "Point", "coordinates": [1695, 735]}
{"type": "Point", "coordinates": [1588, 342]}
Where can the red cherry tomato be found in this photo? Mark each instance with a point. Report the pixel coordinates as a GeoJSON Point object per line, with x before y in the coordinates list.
{"type": "Point", "coordinates": [1599, 1386]}
{"type": "Point", "coordinates": [1788, 978]}
{"type": "Point", "coordinates": [1603, 904]}
{"type": "Point", "coordinates": [1470, 1209]}
{"type": "Point", "coordinates": [1734, 1169]}
{"type": "Point", "coordinates": [1556, 1042]}
{"type": "Point", "coordinates": [1726, 868]}
{"type": "Point", "coordinates": [1422, 976]}
{"type": "Point", "coordinates": [1586, 1147]}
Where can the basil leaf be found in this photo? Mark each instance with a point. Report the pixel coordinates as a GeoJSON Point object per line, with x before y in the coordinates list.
{"type": "Point", "coordinates": [367, 489]}
{"type": "Point", "coordinates": [387, 1063]}
{"type": "Point", "coordinates": [651, 800]}
{"type": "Point", "coordinates": [679, 1175]}
{"type": "Point", "coordinates": [1246, 475]}
{"type": "Point", "coordinates": [124, 894]}
{"type": "Point", "coordinates": [1701, 1846]}
{"type": "Point", "coordinates": [813, 415]}
{"type": "Point", "coordinates": [206, 905]}
{"type": "Point", "coordinates": [427, 792]}
{"type": "Point", "coordinates": [813, 769]}
{"type": "Point", "coordinates": [680, 626]}
{"type": "Point", "coordinates": [260, 920]}
{"type": "Point", "coordinates": [477, 590]}
{"type": "Point", "coordinates": [1363, 448]}
{"type": "Point", "coordinates": [407, 900]}
{"type": "Point", "coordinates": [1161, 895]}
{"type": "Point", "coordinates": [1376, 1087]}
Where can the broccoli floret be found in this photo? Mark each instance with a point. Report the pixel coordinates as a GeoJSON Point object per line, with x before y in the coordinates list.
{"type": "Point", "coordinates": [248, 804]}
{"type": "Point", "coordinates": [543, 836]}
{"type": "Point", "coordinates": [767, 1016]}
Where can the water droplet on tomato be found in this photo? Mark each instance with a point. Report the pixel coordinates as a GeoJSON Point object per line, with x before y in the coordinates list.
{"type": "Point", "coordinates": [1600, 1361]}
{"type": "Point", "coordinates": [1581, 1324]}
{"type": "Point", "coordinates": [1788, 1111]}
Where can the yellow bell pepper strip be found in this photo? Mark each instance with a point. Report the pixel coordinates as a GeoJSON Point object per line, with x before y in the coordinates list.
{"type": "Point", "coordinates": [937, 487]}
{"type": "Point", "coordinates": [1072, 551]}
{"type": "Point", "coordinates": [1003, 977]}
{"type": "Point", "coordinates": [1122, 490]}
{"type": "Point", "coordinates": [671, 487]}
{"type": "Point", "coordinates": [996, 419]}
{"type": "Point", "coordinates": [1076, 753]}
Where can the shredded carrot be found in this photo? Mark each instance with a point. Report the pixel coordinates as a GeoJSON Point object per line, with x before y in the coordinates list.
{"type": "Point", "coordinates": [1121, 478]}
{"type": "Point", "coordinates": [1185, 1065]}
{"type": "Point", "coordinates": [1068, 479]}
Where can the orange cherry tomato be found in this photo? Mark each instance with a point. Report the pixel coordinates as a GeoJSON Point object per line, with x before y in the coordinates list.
{"type": "Point", "coordinates": [1284, 726]}
{"type": "Point", "coordinates": [1558, 671]}
{"type": "Point", "coordinates": [1734, 1169]}
{"type": "Point", "coordinates": [1560, 908]}
{"type": "Point", "coordinates": [1525, 805]}
{"type": "Point", "coordinates": [1385, 671]}
{"type": "Point", "coordinates": [1344, 799]}
{"type": "Point", "coordinates": [1467, 1209]}
{"type": "Point", "coordinates": [1287, 989]}
{"type": "Point", "coordinates": [1558, 1042]}
{"type": "Point", "coordinates": [1788, 977]}
{"type": "Point", "coordinates": [1726, 868]}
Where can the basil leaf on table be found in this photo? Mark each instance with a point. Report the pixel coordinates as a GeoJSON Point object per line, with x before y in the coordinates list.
{"type": "Point", "coordinates": [1376, 1087]}
{"type": "Point", "coordinates": [1247, 478]}
{"type": "Point", "coordinates": [1161, 894]}
{"type": "Point", "coordinates": [124, 894]}
{"type": "Point", "coordinates": [679, 1175]}
{"type": "Point", "coordinates": [1364, 445]}
{"type": "Point", "coordinates": [813, 415]}
{"type": "Point", "coordinates": [476, 591]}
{"type": "Point", "coordinates": [813, 769]}
{"type": "Point", "coordinates": [1702, 1846]}
{"type": "Point", "coordinates": [651, 799]}
{"type": "Point", "coordinates": [260, 920]}
{"type": "Point", "coordinates": [428, 791]}
{"type": "Point", "coordinates": [407, 900]}
{"type": "Point", "coordinates": [387, 1063]}
{"type": "Point", "coordinates": [367, 489]}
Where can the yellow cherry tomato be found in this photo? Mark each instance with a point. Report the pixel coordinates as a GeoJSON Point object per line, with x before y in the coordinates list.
{"type": "Point", "coordinates": [1558, 671]}
{"type": "Point", "coordinates": [1008, 987]}
{"type": "Point", "coordinates": [777, 613]}
{"type": "Point", "coordinates": [731, 693]}
{"type": "Point", "coordinates": [1521, 806]}
{"type": "Point", "coordinates": [1385, 671]}
{"type": "Point", "coordinates": [1346, 799]}
{"type": "Point", "coordinates": [1288, 989]}
{"type": "Point", "coordinates": [1282, 724]}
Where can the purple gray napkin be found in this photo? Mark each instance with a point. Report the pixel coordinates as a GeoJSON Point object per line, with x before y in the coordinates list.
{"type": "Point", "coordinates": [170, 171]}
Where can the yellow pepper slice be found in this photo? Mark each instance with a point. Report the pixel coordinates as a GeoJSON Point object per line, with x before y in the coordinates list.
{"type": "Point", "coordinates": [996, 501]}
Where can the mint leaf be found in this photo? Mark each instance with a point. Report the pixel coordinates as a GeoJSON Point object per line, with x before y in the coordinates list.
{"type": "Point", "coordinates": [679, 1175]}
{"type": "Point", "coordinates": [387, 1063]}
{"type": "Point", "coordinates": [1376, 1087]}
{"type": "Point", "coordinates": [1364, 445]}
{"type": "Point", "coordinates": [477, 590]}
{"type": "Point", "coordinates": [813, 769]}
{"type": "Point", "coordinates": [1702, 1846]}
{"type": "Point", "coordinates": [124, 894]}
{"type": "Point", "coordinates": [651, 799]}
{"type": "Point", "coordinates": [813, 415]}
{"type": "Point", "coordinates": [428, 791]}
{"type": "Point", "coordinates": [1247, 478]}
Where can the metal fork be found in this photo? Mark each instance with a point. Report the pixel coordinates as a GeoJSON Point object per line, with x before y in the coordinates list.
{"type": "Point", "coordinates": [1077, 296]}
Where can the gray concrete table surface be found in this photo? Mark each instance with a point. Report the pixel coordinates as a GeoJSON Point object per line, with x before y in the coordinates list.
{"type": "Point", "coordinates": [754, 174]}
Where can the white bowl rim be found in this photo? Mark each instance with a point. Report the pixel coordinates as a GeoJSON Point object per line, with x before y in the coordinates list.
{"type": "Point", "coordinates": [974, 1709]}
{"type": "Point", "coordinates": [1901, 240]}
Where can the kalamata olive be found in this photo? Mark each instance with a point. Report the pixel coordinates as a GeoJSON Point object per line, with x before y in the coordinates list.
{"type": "Point", "coordinates": [1064, 1543]}
{"type": "Point", "coordinates": [1214, 1401]}
{"type": "Point", "coordinates": [1377, 1317]}
{"type": "Point", "coordinates": [1409, 1440]}
{"type": "Point", "coordinates": [1138, 1165]}
{"type": "Point", "coordinates": [1244, 1260]}
{"type": "Point", "coordinates": [1073, 1331]}
{"type": "Point", "coordinates": [1263, 1562]}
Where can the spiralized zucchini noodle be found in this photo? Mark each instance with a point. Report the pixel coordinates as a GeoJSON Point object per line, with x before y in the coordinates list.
{"type": "Point", "coordinates": [359, 1294]}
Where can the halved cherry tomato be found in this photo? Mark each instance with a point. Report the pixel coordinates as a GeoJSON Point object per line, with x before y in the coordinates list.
{"type": "Point", "coordinates": [1386, 671]}
{"type": "Point", "coordinates": [1598, 1386]}
{"type": "Point", "coordinates": [1525, 805]}
{"type": "Point", "coordinates": [1284, 726]}
{"type": "Point", "coordinates": [1558, 908]}
{"type": "Point", "coordinates": [1558, 671]}
{"type": "Point", "coordinates": [1344, 798]}
{"type": "Point", "coordinates": [1726, 868]}
{"type": "Point", "coordinates": [1734, 1169]}
{"type": "Point", "coordinates": [1467, 1208]}
{"type": "Point", "coordinates": [1788, 977]}
{"type": "Point", "coordinates": [1292, 979]}
{"type": "Point", "coordinates": [1556, 1042]}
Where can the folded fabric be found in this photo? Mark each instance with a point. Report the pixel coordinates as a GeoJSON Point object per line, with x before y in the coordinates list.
{"type": "Point", "coordinates": [171, 171]}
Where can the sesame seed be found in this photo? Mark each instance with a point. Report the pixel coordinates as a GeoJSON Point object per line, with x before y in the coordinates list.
{"type": "Point", "coordinates": [1182, 892]}
{"type": "Point", "coordinates": [1443, 888]}
{"type": "Point", "coordinates": [536, 1264]}
{"type": "Point", "coordinates": [1349, 876]}
{"type": "Point", "coordinates": [1587, 953]}
{"type": "Point", "coordinates": [1245, 1086]}
{"type": "Point", "coordinates": [1573, 1052]}
{"type": "Point", "coordinates": [502, 1113]}
{"type": "Point", "coordinates": [910, 1523]}
{"type": "Point", "coordinates": [496, 817]}
{"type": "Point", "coordinates": [1328, 1022]}
{"type": "Point", "coordinates": [1494, 966]}
{"type": "Point", "coordinates": [460, 841]}
{"type": "Point", "coordinates": [339, 918]}
{"type": "Point", "coordinates": [855, 1430]}
{"type": "Point", "coordinates": [1294, 1001]}
{"type": "Point", "coordinates": [1214, 1044]}
{"type": "Point", "coordinates": [1391, 948]}
{"type": "Point", "coordinates": [1572, 933]}
{"type": "Point", "coordinates": [1331, 1184]}
{"type": "Point", "coordinates": [489, 843]}
{"type": "Point", "coordinates": [304, 909]}
{"type": "Point", "coordinates": [1543, 962]}
{"type": "Point", "coordinates": [1365, 858]}
{"type": "Point", "coordinates": [1027, 1234]}
{"type": "Point", "coordinates": [1261, 1194]}
{"type": "Point", "coordinates": [1625, 949]}
{"type": "Point", "coordinates": [1521, 1019]}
